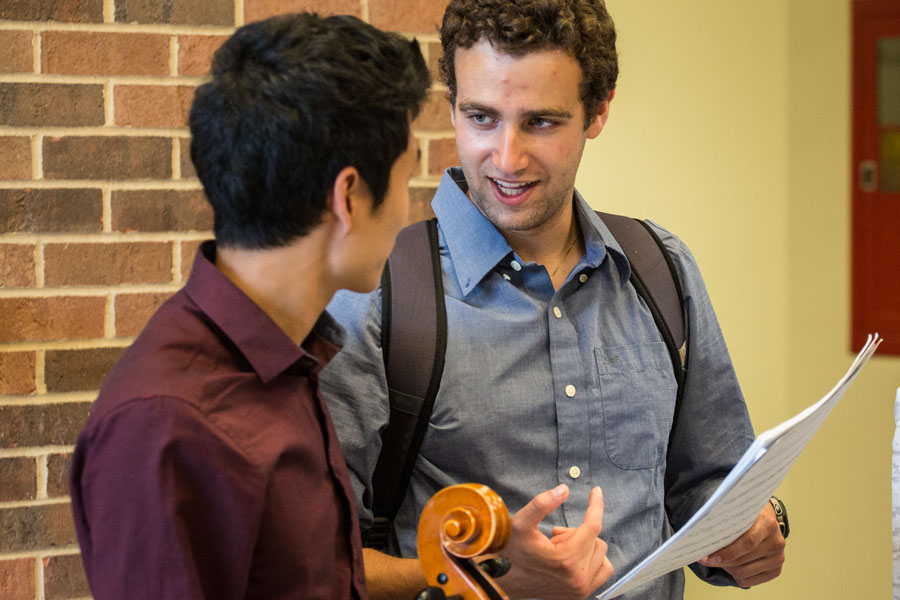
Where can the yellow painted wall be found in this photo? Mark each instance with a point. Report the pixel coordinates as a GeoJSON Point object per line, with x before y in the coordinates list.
{"type": "Point", "coordinates": [731, 127]}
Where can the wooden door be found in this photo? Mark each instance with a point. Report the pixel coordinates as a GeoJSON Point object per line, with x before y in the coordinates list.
{"type": "Point", "coordinates": [876, 173]}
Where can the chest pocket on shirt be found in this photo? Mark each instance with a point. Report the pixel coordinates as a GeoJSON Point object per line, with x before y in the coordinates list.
{"type": "Point", "coordinates": [638, 390]}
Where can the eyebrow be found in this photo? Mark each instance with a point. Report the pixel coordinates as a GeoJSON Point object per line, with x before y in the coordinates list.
{"type": "Point", "coordinates": [558, 113]}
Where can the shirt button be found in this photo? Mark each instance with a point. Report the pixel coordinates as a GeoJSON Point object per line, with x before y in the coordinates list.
{"type": "Point", "coordinates": [556, 312]}
{"type": "Point", "coordinates": [506, 277]}
{"type": "Point", "coordinates": [574, 472]}
{"type": "Point", "coordinates": [570, 391]}
{"type": "Point", "coordinates": [582, 278]}
{"type": "Point", "coordinates": [515, 265]}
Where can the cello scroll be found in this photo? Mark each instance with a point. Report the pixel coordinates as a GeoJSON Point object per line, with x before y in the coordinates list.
{"type": "Point", "coordinates": [459, 523]}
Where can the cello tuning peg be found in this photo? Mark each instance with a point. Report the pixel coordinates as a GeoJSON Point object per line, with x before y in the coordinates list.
{"type": "Point", "coordinates": [495, 567]}
{"type": "Point", "coordinates": [431, 593]}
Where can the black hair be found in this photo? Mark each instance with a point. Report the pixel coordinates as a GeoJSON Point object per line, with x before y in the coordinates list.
{"type": "Point", "coordinates": [292, 101]}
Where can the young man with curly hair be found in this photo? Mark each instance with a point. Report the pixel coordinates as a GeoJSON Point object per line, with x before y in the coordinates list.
{"type": "Point", "coordinates": [556, 381]}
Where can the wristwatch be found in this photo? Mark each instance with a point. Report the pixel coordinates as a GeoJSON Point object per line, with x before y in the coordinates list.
{"type": "Point", "coordinates": [780, 516]}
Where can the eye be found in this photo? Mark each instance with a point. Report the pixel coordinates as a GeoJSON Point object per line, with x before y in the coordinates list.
{"type": "Point", "coordinates": [480, 119]}
{"type": "Point", "coordinates": [542, 123]}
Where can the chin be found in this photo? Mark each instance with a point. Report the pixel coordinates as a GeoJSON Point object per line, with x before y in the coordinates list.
{"type": "Point", "coordinates": [366, 284]}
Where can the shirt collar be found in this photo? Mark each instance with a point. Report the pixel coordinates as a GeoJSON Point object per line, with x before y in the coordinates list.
{"type": "Point", "coordinates": [477, 246]}
{"type": "Point", "coordinates": [268, 349]}
{"type": "Point", "coordinates": [599, 241]}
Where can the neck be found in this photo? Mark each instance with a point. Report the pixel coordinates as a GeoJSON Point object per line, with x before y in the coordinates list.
{"type": "Point", "coordinates": [547, 244]}
{"type": "Point", "coordinates": [287, 283]}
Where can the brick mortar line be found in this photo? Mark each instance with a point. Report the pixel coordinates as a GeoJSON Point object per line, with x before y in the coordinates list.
{"type": "Point", "coordinates": [109, 103]}
{"type": "Point", "coordinates": [48, 399]}
{"type": "Point", "coordinates": [37, 159]}
{"type": "Point", "coordinates": [39, 265]}
{"type": "Point", "coordinates": [435, 134]}
{"type": "Point", "coordinates": [39, 156]}
{"type": "Point", "coordinates": [89, 292]}
{"type": "Point", "coordinates": [76, 344]}
{"type": "Point", "coordinates": [109, 11]}
{"type": "Point", "coordinates": [423, 37]}
{"type": "Point", "coordinates": [99, 131]}
{"type": "Point", "coordinates": [364, 10]}
{"type": "Point", "coordinates": [39, 26]}
{"type": "Point", "coordinates": [109, 317]}
{"type": "Point", "coordinates": [162, 29]}
{"type": "Point", "coordinates": [62, 79]}
{"type": "Point", "coordinates": [424, 157]}
{"type": "Point", "coordinates": [183, 185]}
{"type": "Point", "coordinates": [40, 373]}
{"type": "Point", "coordinates": [173, 56]}
{"type": "Point", "coordinates": [103, 238]}
{"type": "Point", "coordinates": [37, 48]}
{"type": "Point", "coordinates": [176, 158]}
{"type": "Point", "coordinates": [109, 131]}
{"type": "Point", "coordinates": [176, 264]}
{"type": "Point", "coordinates": [42, 553]}
{"type": "Point", "coordinates": [40, 588]}
{"type": "Point", "coordinates": [36, 502]}
{"type": "Point", "coordinates": [137, 184]}
{"type": "Point", "coordinates": [35, 451]}
{"type": "Point", "coordinates": [238, 13]}
{"type": "Point", "coordinates": [106, 210]}
{"type": "Point", "coordinates": [43, 477]}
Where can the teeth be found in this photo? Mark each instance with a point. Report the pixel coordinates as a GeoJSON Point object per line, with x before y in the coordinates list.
{"type": "Point", "coordinates": [510, 188]}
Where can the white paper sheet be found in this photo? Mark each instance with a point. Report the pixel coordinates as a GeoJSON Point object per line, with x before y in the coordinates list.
{"type": "Point", "coordinates": [736, 503]}
{"type": "Point", "coordinates": [895, 498]}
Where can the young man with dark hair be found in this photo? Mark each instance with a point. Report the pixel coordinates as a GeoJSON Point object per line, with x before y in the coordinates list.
{"type": "Point", "coordinates": [209, 467]}
{"type": "Point", "coordinates": [555, 377]}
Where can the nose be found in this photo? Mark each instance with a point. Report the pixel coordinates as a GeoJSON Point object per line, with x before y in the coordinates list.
{"type": "Point", "coordinates": [511, 155]}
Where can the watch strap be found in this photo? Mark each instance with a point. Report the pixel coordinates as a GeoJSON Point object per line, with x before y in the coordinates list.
{"type": "Point", "coordinates": [780, 516]}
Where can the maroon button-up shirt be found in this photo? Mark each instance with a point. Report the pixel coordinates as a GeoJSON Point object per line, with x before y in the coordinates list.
{"type": "Point", "coordinates": [209, 467]}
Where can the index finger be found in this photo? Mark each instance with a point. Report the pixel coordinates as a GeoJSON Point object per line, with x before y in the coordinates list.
{"type": "Point", "coordinates": [593, 519]}
{"type": "Point", "coordinates": [530, 515]}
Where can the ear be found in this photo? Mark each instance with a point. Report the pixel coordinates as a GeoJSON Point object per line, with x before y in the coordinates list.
{"type": "Point", "coordinates": [346, 198]}
{"type": "Point", "coordinates": [600, 116]}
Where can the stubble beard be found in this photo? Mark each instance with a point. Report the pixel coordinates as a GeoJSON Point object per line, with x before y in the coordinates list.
{"type": "Point", "coordinates": [526, 217]}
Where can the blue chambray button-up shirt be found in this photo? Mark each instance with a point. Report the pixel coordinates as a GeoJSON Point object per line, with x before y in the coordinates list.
{"type": "Point", "coordinates": [542, 387]}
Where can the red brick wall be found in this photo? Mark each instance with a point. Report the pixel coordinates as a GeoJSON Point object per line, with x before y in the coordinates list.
{"type": "Point", "coordinates": [100, 214]}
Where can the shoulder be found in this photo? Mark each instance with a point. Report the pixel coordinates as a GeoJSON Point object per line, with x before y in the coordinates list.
{"type": "Point", "coordinates": [142, 440]}
{"type": "Point", "coordinates": [351, 309]}
{"type": "Point", "coordinates": [672, 243]}
{"type": "Point", "coordinates": [147, 420]}
{"type": "Point", "coordinates": [683, 259]}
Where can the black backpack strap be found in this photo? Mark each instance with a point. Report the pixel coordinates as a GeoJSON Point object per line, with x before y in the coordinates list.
{"type": "Point", "coordinates": [654, 277]}
{"type": "Point", "coordinates": [413, 341]}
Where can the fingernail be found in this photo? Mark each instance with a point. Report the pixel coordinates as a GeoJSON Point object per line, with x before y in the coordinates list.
{"type": "Point", "coordinates": [560, 490]}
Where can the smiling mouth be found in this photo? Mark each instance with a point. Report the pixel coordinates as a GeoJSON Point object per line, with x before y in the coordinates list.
{"type": "Point", "coordinates": [512, 189]}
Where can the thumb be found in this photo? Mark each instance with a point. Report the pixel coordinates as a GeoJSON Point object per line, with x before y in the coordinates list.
{"type": "Point", "coordinates": [540, 506]}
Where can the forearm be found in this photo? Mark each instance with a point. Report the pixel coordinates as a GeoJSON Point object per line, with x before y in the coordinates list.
{"type": "Point", "coordinates": [390, 578]}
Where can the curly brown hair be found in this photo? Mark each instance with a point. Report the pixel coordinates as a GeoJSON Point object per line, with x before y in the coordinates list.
{"type": "Point", "coordinates": [581, 28]}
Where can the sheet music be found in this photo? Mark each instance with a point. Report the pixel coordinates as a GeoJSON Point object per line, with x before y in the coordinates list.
{"type": "Point", "coordinates": [736, 503]}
